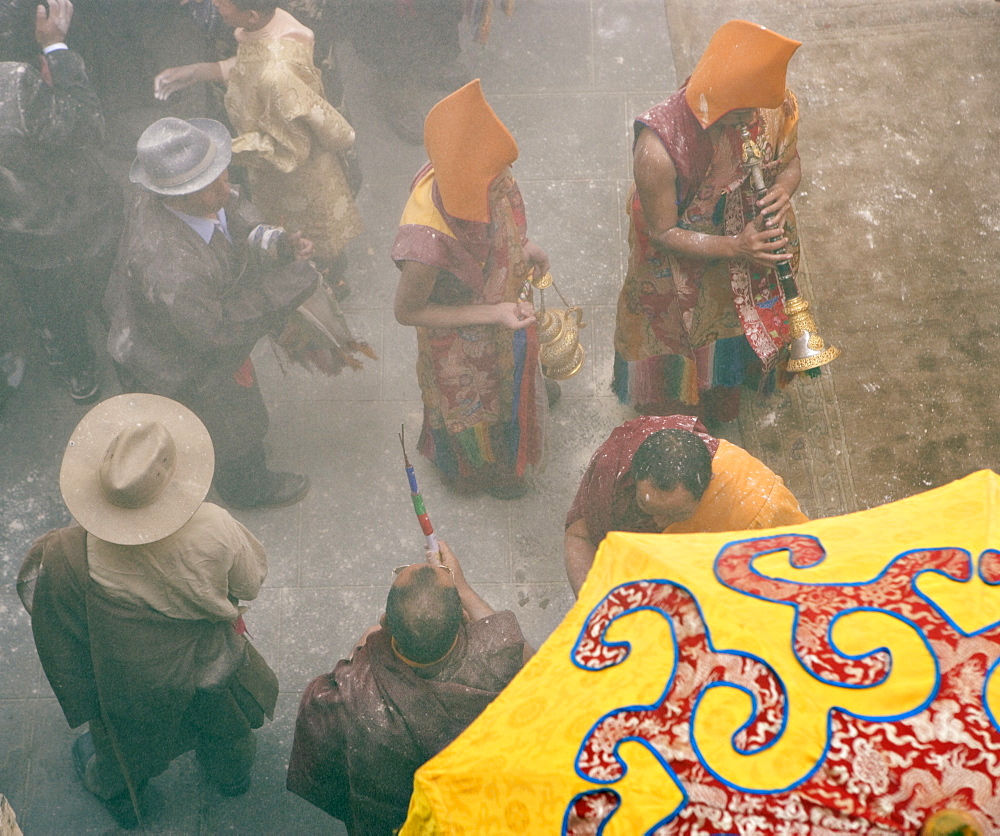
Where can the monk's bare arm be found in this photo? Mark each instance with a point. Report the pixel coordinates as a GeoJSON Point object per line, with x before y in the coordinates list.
{"type": "Point", "coordinates": [656, 183]}
{"type": "Point", "coordinates": [579, 555]}
{"type": "Point", "coordinates": [413, 305]}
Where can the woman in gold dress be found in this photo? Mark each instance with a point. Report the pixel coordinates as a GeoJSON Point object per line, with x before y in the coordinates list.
{"type": "Point", "coordinates": [288, 136]}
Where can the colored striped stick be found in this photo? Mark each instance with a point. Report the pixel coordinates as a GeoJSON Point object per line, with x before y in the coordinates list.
{"type": "Point", "coordinates": [418, 500]}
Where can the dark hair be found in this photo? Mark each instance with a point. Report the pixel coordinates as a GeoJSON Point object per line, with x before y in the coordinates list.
{"type": "Point", "coordinates": [17, 30]}
{"type": "Point", "coordinates": [263, 6]}
{"type": "Point", "coordinates": [423, 616]}
{"type": "Point", "coordinates": [669, 458]}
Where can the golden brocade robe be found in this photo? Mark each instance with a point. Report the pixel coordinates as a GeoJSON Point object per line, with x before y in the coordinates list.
{"type": "Point", "coordinates": [290, 138]}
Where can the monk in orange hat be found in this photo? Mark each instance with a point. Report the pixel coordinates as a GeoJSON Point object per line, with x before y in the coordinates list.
{"type": "Point", "coordinates": [700, 313]}
{"type": "Point", "coordinates": [464, 256]}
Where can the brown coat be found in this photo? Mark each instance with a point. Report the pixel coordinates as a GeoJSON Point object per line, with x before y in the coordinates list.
{"type": "Point", "coordinates": [364, 729]}
{"type": "Point", "coordinates": [182, 311]}
{"type": "Point", "coordinates": [140, 671]}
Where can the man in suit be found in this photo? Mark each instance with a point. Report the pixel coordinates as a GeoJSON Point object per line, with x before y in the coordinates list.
{"type": "Point", "coordinates": [198, 281]}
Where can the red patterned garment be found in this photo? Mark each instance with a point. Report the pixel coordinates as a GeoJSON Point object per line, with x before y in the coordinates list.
{"type": "Point", "coordinates": [480, 383]}
{"type": "Point", "coordinates": [687, 325]}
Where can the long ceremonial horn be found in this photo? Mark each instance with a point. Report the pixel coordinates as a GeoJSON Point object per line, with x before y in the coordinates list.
{"type": "Point", "coordinates": [808, 352]}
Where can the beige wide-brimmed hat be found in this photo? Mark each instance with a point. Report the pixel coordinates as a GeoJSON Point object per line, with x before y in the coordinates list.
{"type": "Point", "coordinates": [177, 157]}
{"type": "Point", "coordinates": [136, 468]}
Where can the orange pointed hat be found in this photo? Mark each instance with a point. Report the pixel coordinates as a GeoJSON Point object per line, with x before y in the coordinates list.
{"type": "Point", "coordinates": [743, 66]}
{"type": "Point", "coordinates": [468, 146]}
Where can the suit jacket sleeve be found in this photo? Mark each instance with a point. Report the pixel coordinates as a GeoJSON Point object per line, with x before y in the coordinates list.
{"type": "Point", "coordinates": [67, 114]}
{"type": "Point", "coordinates": [210, 307]}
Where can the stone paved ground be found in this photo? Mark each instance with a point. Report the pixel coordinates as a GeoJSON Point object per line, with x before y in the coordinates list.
{"type": "Point", "coordinates": [899, 217]}
{"type": "Point", "coordinates": [557, 74]}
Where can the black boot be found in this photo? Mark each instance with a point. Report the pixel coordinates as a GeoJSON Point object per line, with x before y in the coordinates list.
{"type": "Point", "coordinates": [82, 383]}
{"type": "Point", "coordinates": [120, 806]}
{"type": "Point", "coordinates": [553, 391]}
{"type": "Point", "coordinates": [246, 482]}
{"type": "Point", "coordinates": [79, 374]}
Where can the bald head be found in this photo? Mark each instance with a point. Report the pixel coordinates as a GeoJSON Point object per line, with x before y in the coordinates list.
{"type": "Point", "coordinates": [423, 612]}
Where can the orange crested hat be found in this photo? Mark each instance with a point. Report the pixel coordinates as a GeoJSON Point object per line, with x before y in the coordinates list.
{"type": "Point", "coordinates": [468, 146]}
{"type": "Point", "coordinates": [743, 66]}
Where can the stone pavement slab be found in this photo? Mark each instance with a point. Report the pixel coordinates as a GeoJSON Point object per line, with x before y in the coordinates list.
{"type": "Point", "coordinates": [561, 75]}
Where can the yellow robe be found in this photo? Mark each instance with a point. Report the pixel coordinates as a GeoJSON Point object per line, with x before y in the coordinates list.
{"type": "Point", "coordinates": [289, 137]}
{"type": "Point", "coordinates": [743, 494]}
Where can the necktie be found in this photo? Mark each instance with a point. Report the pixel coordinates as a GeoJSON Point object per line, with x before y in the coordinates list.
{"type": "Point", "coordinates": [221, 245]}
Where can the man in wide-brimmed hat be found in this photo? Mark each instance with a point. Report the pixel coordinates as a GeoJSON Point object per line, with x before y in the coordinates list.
{"type": "Point", "coordinates": [191, 295]}
{"type": "Point", "coordinates": [700, 313]}
{"type": "Point", "coordinates": [60, 212]}
{"type": "Point", "coordinates": [135, 609]}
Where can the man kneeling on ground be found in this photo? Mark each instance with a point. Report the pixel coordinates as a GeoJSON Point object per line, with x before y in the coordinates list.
{"type": "Point", "coordinates": [410, 687]}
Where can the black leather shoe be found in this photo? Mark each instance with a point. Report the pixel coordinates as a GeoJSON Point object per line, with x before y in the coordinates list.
{"type": "Point", "coordinates": [83, 751]}
{"type": "Point", "coordinates": [119, 806]}
{"type": "Point", "coordinates": [53, 353]}
{"type": "Point", "coordinates": [510, 488]}
{"type": "Point", "coordinates": [235, 790]}
{"type": "Point", "coordinates": [279, 490]}
{"type": "Point", "coordinates": [396, 105]}
{"type": "Point", "coordinates": [553, 391]}
{"type": "Point", "coordinates": [407, 123]}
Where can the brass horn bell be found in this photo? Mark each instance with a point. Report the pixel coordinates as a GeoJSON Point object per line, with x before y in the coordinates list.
{"type": "Point", "coordinates": [807, 351]}
{"type": "Point", "coordinates": [806, 347]}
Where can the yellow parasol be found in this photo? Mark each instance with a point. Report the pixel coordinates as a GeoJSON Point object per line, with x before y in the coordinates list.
{"type": "Point", "coordinates": [837, 676]}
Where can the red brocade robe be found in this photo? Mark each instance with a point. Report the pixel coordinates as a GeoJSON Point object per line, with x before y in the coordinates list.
{"type": "Point", "coordinates": [685, 325]}
{"type": "Point", "coordinates": [480, 383]}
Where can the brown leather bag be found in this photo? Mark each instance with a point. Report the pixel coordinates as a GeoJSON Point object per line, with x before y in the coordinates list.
{"type": "Point", "coordinates": [255, 688]}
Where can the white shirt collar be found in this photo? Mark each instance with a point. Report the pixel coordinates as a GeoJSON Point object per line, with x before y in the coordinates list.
{"type": "Point", "coordinates": [204, 226]}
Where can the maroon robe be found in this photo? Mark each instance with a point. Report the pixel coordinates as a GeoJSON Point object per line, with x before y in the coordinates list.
{"type": "Point", "coordinates": [155, 681]}
{"type": "Point", "coordinates": [606, 496]}
{"type": "Point", "coordinates": [364, 729]}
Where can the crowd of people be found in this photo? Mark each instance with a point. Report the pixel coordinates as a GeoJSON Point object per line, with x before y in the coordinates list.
{"type": "Point", "coordinates": [192, 270]}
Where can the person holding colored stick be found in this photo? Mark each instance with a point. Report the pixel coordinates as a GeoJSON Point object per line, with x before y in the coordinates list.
{"type": "Point", "coordinates": [413, 683]}
{"type": "Point", "coordinates": [433, 551]}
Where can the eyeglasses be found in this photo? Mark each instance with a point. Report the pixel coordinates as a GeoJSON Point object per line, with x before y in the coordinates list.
{"type": "Point", "coordinates": [447, 569]}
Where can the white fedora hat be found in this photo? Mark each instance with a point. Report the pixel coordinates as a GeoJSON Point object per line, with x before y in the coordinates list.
{"type": "Point", "coordinates": [178, 157]}
{"type": "Point", "coordinates": [136, 468]}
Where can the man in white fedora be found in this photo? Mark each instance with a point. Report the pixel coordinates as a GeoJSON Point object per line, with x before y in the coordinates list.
{"type": "Point", "coordinates": [135, 608]}
{"type": "Point", "coordinates": [190, 296]}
